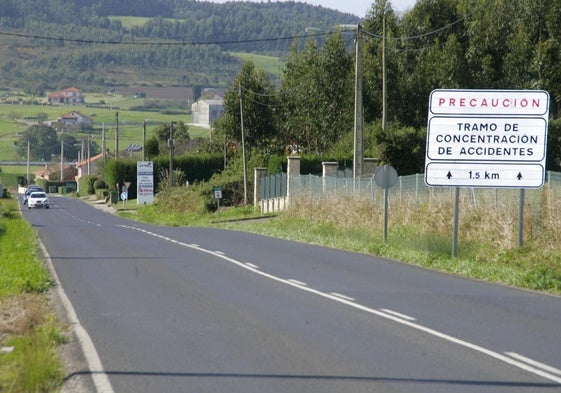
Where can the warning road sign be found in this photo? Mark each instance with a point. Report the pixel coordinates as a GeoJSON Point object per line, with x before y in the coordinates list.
{"type": "Point", "coordinates": [487, 138]}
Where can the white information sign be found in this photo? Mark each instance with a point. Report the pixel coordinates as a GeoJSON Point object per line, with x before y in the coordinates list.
{"type": "Point", "coordinates": [145, 182]}
{"type": "Point", "coordinates": [487, 138]}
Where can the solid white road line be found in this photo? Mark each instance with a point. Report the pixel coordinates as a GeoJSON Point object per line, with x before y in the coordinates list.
{"type": "Point", "coordinates": [534, 363]}
{"type": "Point", "coordinates": [99, 377]}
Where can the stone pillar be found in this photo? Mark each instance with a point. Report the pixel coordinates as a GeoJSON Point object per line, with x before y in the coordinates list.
{"type": "Point", "coordinates": [330, 169]}
{"type": "Point", "coordinates": [292, 170]}
{"type": "Point", "coordinates": [370, 166]}
{"type": "Point", "coordinates": [259, 176]}
{"type": "Point", "coordinates": [329, 172]}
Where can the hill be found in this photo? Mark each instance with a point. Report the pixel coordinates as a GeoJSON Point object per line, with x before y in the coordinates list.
{"type": "Point", "coordinates": [103, 44]}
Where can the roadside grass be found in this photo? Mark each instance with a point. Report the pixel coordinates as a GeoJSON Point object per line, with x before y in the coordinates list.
{"type": "Point", "coordinates": [28, 329]}
{"type": "Point", "coordinates": [418, 233]}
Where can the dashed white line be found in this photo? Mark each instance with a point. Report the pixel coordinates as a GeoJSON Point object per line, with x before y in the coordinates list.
{"type": "Point", "coordinates": [296, 282]}
{"type": "Point", "coordinates": [397, 314]}
{"type": "Point", "coordinates": [342, 296]}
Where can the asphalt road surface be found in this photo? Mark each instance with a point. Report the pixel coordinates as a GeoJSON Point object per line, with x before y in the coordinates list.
{"type": "Point", "coordinates": [205, 310]}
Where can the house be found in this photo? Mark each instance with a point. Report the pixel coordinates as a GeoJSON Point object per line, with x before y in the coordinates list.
{"type": "Point", "coordinates": [53, 172]}
{"type": "Point", "coordinates": [76, 120]}
{"type": "Point", "coordinates": [85, 167]}
{"type": "Point", "coordinates": [70, 96]}
{"type": "Point", "coordinates": [205, 111]}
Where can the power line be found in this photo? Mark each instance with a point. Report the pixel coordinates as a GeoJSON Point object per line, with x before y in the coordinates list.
{"type": "Point", "coordinates": [145, 43]}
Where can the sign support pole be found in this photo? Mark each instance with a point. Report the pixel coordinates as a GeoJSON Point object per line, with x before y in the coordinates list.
{"type": "Point", "coordinates": [385, 215]}
{"type": "Point", "coordinates": [456, 222]}
{"type": "Point", "coordinates": [521, 217]}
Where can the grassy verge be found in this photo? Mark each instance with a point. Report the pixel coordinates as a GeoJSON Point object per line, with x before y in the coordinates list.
{"type": "Point", "coordinates": [418, 233]}
{"type": "Point", "coordinates": [29, 332]}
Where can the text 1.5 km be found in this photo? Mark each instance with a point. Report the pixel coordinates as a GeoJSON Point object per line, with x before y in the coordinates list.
{"type": "Point", "coordinates": [484, 175]}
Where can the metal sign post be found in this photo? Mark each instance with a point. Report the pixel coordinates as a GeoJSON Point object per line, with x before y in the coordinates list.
{"type": "Point", "coordinates": [218, 197]}
{"type": "Point", "coordinates": [385, 177]}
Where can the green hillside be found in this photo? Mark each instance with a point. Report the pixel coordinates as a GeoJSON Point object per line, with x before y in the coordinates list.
{"type": "Point", "coordinates": [104, 45]}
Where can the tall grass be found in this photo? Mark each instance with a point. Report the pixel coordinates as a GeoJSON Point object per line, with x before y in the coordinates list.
{"type": "Point", "coordinates": [26, 324]}
{"type": "Point", "coordinates": [420, 233]}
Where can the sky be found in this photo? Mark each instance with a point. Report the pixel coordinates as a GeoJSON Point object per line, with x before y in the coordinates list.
{"type": "Point", "coordinates": [356, 7]}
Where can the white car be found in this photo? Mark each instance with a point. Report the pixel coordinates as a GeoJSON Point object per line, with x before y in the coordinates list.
{"type": "Point", "coordinates": [38, 199]}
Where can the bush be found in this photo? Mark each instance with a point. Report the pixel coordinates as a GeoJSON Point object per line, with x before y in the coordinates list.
{"type": "Point", "coordinates": [87, 184]}
{"type": "Point", "coordinates": [99, 183]}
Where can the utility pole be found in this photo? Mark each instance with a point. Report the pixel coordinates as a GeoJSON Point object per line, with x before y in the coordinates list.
{"type": "Point", "coordinates": [359, 118]}
{"type": "Point", "coordinates": [384, 72]}
{"type": "Point", "coordinates": [28, 162]}
{"type": "Point", "coordinates": [243, 148]}
{"type": "Point", "coordinates": [170, 146]}
{"type": "Point", "coordinates": [61, 159]}
{"type": "Point", "coordinates": [144, 141]}
{"type": "Point", "coordinates": [103, 144]}
{"type": "Point", "coordinates": [358, 156]}
{"type": "Point", "coordinates": [88, 149]}
{"type": "Point", "coordinates": [117, 136]}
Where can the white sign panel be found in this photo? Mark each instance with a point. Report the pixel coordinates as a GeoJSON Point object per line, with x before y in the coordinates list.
{"type": "Point", "coordinates": [144, 182]}
{"type": "Point", "coordinates": [487, 138]}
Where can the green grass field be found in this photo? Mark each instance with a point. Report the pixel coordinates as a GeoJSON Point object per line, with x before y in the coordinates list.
{"type": "Point", "coordinates": [270, 64]}
{"type": "Point", "coordinates": [130, 121]}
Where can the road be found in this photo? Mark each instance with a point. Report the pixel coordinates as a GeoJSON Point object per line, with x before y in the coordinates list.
{"type": "Point", "coordinates": [208, 310]}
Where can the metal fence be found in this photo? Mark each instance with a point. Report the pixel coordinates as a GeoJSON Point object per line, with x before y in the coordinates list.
{"type": "Point", "coordinates": [273, 186]}
{"type": "Point", "coordinates": [412, 188]}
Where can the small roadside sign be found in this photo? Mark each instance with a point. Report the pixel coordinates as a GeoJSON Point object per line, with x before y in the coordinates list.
{"type": "Point", "coordinates": [218, 192]}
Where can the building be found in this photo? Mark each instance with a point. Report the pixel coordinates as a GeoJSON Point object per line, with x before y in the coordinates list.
{"type": "Point", "coordinates": [86, 167]}
{"type": "Point", "coordinates": [70, 96]}
{"type": "Point", "coordinates": [206, 111]}
{"type": "Point", "coordinates": [75, 121]}
{"type": "Point", "coordinates": [53, 172]}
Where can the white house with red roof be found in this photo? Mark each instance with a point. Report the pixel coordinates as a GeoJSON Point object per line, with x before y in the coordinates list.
{"type": "Point", "coordinates": [76, 120]}
{"type": "Point", "coordinates": [70, 96]}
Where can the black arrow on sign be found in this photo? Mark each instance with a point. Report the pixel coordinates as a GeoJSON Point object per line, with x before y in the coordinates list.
{"type": "Point", "coordinates": [449, 175]}
{"type": "Point", "coordinates": [519, 177]}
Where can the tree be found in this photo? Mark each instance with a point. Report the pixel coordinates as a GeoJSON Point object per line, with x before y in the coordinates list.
{"type": "Point", "coordinates": [317, 93]}
{"type": "Point", "coordinates": [259, 105]}
{"type": "Point", "coordinates": [181, 138]}
{"type": "Point", "coordinates": [42, 142]}
{"type": "Point", "coordinates": [152, 147]}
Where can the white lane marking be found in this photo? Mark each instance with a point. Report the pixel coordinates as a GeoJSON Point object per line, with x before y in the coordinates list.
{"type": "Point", "coordinates": [411, 324]}
{"type": "Point", "coordinates": [296, 282]}
{"type": "Point", "coordinates": [251, 265]}
{"type": "Point", "coordinates": [400, 315]}
{"type": "Point", "coordinates": [534, 363]}
{"type": "Point", "coordinates": [98, 375]}
{"type": "Point", "coordinates": [342, 296]}
{"type": "Point", "coordinates": [220, 252]}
